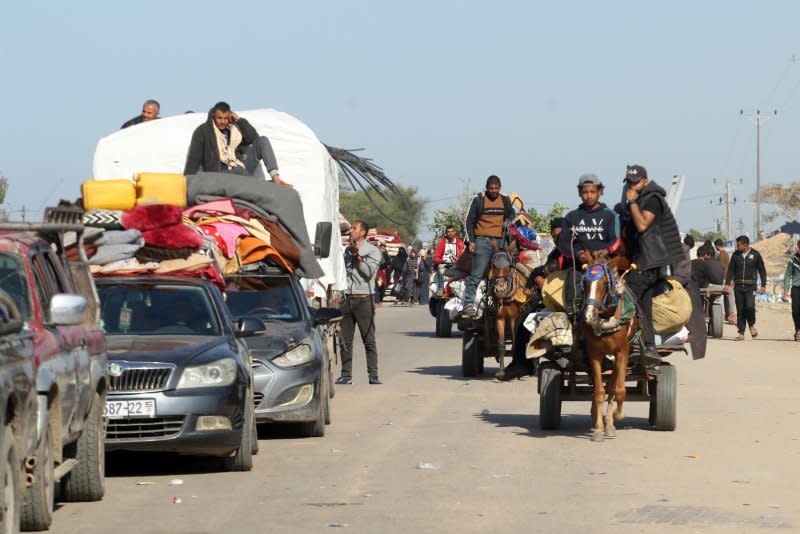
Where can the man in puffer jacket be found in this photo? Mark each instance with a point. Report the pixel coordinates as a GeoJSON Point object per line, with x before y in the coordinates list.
{"type": "Point", "coordinates": [228, 143]}
{"type": "Point", "coordinates": [654, 246]}
{"type": "Point", "coordinates": [791, 286]}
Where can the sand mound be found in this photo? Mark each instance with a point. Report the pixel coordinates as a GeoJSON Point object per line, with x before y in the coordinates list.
{"type": "Point", "coordinates": [776, 251]}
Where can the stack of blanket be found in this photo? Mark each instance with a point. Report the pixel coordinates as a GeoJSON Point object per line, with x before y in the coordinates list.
{"type": "Point", "coordinates": [154, 239]}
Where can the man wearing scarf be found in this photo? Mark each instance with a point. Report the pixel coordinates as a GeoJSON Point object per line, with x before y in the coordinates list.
{"type": "Point", "coordinates": [229, 143]}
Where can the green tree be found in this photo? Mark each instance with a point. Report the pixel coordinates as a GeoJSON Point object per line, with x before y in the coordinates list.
{"type": "Point", "coordinates": [541, 220]}
{"type": "Point", "coordinates": [455, 214]}
{"type": "Point", "coordinates": [701, 237]}
{"type": "Point", "coordinates": [383, 208]}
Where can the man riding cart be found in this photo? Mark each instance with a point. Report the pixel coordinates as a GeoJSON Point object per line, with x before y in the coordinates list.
{"type": "Point", "coordinates": [447, 251]}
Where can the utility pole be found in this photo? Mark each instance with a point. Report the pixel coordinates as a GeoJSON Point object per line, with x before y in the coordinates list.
{"type": "Point", "coordinates": [758, 118]}
{"type": "Point", "coordinates": [728, 200]}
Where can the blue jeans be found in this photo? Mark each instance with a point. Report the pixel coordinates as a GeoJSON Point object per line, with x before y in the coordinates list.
{"type": "Point", "coordinates": [260, 150]}
{"type": "Point", "coordinates": [480, 264]}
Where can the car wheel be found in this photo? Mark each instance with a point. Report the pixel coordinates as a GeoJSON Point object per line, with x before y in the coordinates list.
{"type": "Point", "coordinates": [37, 508]}
{"type": "Point", "coordinates": [327, 400]}
{"type": "Point", "coordinates": [243, 459]}
{"type": "Point", "coordinates": [12, 485]}
{"type": "Point", "coordinates": [254, 448]}
{"type": "Point", "coordinates": [86, 481]}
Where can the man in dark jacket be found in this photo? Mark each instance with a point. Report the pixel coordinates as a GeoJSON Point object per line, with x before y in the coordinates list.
{"type": "Point", "coordinates": [486, 220]}
{"type": "Point", "coordinates": [706, 269]}
{"type": "Point", "coordinates": [655, 244]}
{"type": "Point", "coordinates": [589, 231]}
{"type": "Point", "coordinates": [228, 143]}
{"type": "Point", "coordinates": [744, 270]}
{"type": "Point", "coordinates": [150, 111]}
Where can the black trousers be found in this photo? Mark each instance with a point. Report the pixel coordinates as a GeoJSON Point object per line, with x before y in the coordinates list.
{"type": "Point", "coordinates": [361, 312]}
{"type": "Point", "coordinates": [745, 297]}
{"type": "Point", "coordinates": [641, 284]}
{"type": "Point", "coordinates": [796, 307]}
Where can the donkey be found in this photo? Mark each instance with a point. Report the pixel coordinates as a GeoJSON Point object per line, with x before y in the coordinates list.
{"type": "Point", "coordinates": [506, 284]}
{"type": "Point", "coordinates": [605, 334]}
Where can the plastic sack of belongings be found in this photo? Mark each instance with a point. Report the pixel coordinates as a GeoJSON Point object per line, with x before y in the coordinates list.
{"type": "Point", "coordinates": [455, 305]}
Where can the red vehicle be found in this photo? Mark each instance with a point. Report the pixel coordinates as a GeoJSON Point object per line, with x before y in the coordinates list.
{"type": "Point", "coordinates": [57, 302]}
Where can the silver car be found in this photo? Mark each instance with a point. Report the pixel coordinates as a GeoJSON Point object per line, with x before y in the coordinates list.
{"type": "Point", "coordinates": [291, 359]}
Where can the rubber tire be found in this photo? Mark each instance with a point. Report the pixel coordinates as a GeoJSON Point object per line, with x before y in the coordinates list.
{"type": "Point", "coordinates": [550, 381]}
{"type": "Point", "coordinates": [86, 481]}
{"type": "Point", "coordinates": [243, 459]}
{"type": "Point", "coordinates": [39, 501]}
{"type": "Point", "coordinates": [327, 398]}
{"type": "Point", "coordinates": [715, 322]}
{"type": "Point", "coordinates": [254, 449]}
{"type": "Point", "coordinates": [11, 497]}
{"type": "Point", "coordinates": [665, 416]}
{"type": "Point", "coordinates": [444, 326]}
{"type": "Point", "coordinates": [433, 306]}
{"type": "Point", "coordinates": [316, 428]}
{"type": "Point", "coordinates": [471, 357]}
{"type": "Point", "coordinates": [332, 366]}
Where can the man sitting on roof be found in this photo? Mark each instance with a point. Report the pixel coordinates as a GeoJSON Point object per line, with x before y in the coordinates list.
{"type": "Point", "coordinates": [150, 111]}
{"type": "Point", "coordinates": [228, 143]}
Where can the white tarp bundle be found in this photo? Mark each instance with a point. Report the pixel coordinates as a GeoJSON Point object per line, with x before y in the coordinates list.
{"type": "Point", "coordinates": [161, 146]}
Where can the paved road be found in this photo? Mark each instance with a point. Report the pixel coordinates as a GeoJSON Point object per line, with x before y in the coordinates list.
{"type": "Point", "coordinates": [733, 464]}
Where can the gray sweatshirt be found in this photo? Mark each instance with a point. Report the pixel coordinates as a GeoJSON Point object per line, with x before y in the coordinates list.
{"type": "Point", "coordinates": [362, 268]}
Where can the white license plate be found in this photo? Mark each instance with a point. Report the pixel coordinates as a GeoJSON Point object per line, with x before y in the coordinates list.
{"type": "Point", "coordinates": [117, 409]}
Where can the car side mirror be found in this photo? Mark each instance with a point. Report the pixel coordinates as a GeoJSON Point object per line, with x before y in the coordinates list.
{"type": "Point", "coordinates": [67, 309]}
{"type": "Point", "coordinates": [250, 326]}
{"type": "Point", "coordinates": [323, 316]}
{"type": "Point", "coordinates": [322, 239]}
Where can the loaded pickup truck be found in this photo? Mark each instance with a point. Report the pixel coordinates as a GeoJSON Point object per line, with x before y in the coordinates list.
{"type": "Point", "coordinates": [57, 302]}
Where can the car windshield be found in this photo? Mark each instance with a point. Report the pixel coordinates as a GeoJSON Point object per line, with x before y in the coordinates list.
{"type": "Point", "coordinates": [145, 309]}
{"type": "Point", "coordinates": [268, 298]}
{"type": "Point", "coordinates": [12, 281]}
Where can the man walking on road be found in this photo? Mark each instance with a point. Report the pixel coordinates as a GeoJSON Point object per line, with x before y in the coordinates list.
{"type": "Point", "coordinates": [746, 263]}
{"type": "Point", "coordinates": [725, 259]}
{"type": "Point", "coordinates": [486, 220]}
{"type": "Point", "coordinates": [791, 287]}
{"type": "Point", "coordinates": [361, 260]}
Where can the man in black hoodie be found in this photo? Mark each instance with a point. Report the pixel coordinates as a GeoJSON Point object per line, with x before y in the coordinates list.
{"type": "Point", "coordinates": [654, 244]}
{"type": "Point", "coordinates": [228, 143]}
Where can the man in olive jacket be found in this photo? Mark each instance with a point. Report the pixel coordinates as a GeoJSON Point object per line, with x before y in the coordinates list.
{"type": "Point", "coordinates": [229, 143]}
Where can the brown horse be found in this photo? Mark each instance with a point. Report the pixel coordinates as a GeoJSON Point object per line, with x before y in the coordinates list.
{"type": "Point", "coordinates": [604, 334]}
{"type": "Point", "coordinates": [506, 284]}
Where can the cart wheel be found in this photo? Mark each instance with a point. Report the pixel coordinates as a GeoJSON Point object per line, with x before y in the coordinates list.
{"type": "Point", "coordinates": [663, 408]}
{"type": "Point", "coordinates": [444, 326]}
{"type": "Point", "coordinates": [550, 381]}
{"type": "Point", "coordinates": [471, 357]}
{"type": "Point", "coordinates": [715, 323]}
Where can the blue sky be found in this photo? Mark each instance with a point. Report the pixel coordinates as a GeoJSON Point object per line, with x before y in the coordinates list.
{"type": "Point", "coordinates": [436, 92]}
